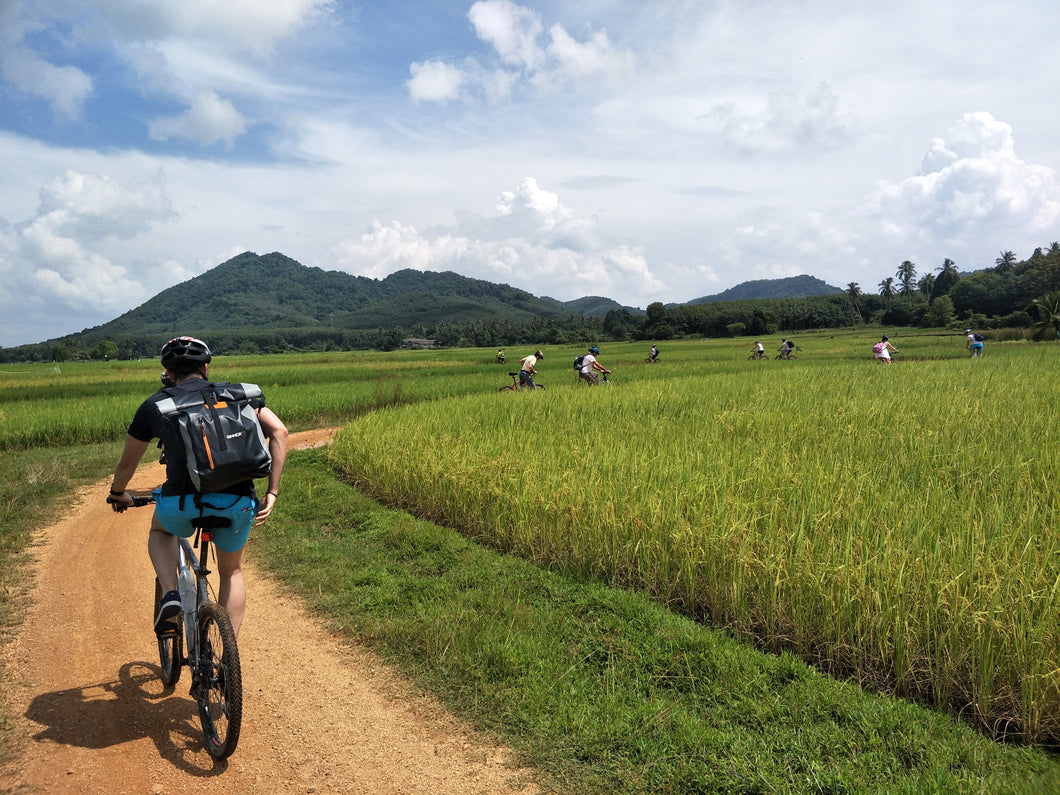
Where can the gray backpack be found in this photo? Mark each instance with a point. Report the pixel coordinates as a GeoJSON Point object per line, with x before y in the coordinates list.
{"type": "Point", "coordinates": [223, 441]}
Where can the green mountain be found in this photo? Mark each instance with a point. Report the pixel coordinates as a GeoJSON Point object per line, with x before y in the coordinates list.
{"type": "Point", "coordinates": [791, 287]}
{"type": "Point", "coordinates": [590, 306]}
{"type": "Point", "coordinates": [270, 303]}
{"type": "Point", "coordinates": [252, 292]}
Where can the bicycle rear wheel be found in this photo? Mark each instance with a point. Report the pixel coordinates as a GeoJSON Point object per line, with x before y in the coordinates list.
{"type": "Point", "coordinates": [219, 687]}
{"type": "Point", "coordinates": [170, 646]}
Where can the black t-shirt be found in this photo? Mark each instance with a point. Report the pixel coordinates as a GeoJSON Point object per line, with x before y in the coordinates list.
{"type": "Point", "coordinates": [149, 423]}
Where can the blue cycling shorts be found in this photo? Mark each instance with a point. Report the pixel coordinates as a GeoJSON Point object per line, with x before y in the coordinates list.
{"type": "Point", "coordinates": [241, 510]}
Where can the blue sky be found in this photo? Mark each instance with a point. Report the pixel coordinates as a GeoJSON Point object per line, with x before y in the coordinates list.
{"type": "Point", "coordinates": [654, 151]}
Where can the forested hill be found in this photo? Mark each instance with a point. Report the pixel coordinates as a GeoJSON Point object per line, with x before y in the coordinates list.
{"type": "Point", "coordinates": [791, 287]}
{"type": "Point", "coordinates": [274, 291]}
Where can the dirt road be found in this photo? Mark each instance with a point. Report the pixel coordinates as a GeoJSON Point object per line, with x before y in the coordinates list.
{"type": "Point", "coordinates": [81, 677]}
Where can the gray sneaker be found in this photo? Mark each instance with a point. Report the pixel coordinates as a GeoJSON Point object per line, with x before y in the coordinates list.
{"type": "Point", "coordinates": [167, 613]}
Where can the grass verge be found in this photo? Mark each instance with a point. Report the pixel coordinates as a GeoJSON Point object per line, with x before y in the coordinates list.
{"type": "Point", "coordinates": [600, 688]}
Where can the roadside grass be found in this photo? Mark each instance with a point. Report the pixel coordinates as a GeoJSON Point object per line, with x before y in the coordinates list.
{"type": "Point", "coordinates": [600, 688]}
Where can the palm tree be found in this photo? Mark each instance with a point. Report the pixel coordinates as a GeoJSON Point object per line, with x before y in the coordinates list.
{"type": "Point", "coordinates": [906, 274]}
{"type": "Point", "coordinates": [1006, 262]}
{"type": "Point", "coordinates": [854, 293]}
{"type": "Point", "coordinates": [948, 276]}
{"type": "Point", "coordinates": [927, 281]}
{"type": "Point", "coordinates": [1054, 247]}
{"type": "Point", "coordinates": [1048, 307]}
{"type": "Point", "coordinates": [887, 287]}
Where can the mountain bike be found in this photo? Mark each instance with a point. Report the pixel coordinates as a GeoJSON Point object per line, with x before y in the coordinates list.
{"type": "Point", "coordinates": [212, 655]}
{"type": "Point", "coordinates": [515, 385]}
{"type": "Point", "coordinates": [785, 355]}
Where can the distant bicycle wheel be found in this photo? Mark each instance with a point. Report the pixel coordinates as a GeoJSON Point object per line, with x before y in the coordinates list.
{"type": "Point", "coordinates": [170, 646]}
{"type": "Point", "coordinates": [219, 689]}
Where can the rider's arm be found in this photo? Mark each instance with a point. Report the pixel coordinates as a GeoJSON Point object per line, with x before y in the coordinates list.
{"type": "Point", "coordinates": [276, 432]}
{"type": "Point", "coordinates": [130, 458]}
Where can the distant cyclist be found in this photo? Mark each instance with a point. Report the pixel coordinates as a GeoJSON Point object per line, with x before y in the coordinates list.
{"type": "Point", "coordinates": [527, 369]}
{"type": "Point", "coordinates": [882, 350]}
{"type": "Point", "coordinates": [759, 350]}
{"type": "Point", "coordinates": [654, 355]}
{"type": "Point", "coordinates": [974, 343]}
{"type": "Point", "coordinates": [590, 367]}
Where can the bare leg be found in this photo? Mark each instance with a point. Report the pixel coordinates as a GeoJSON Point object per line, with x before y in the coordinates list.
{"type": "Point", "coordinates": [232, 592]}
{"type": "Point", "coordinates": [162, 547]}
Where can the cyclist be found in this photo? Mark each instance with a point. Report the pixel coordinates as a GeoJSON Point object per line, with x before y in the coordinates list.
{"type": "Point", "coordinates": [590, 367]}
{"type": "Point", "coordinates": [882, 350]}
{"type": "Point", "coordinates": [500, 357]}
{"type": "Point", "coordinates": [527, 371]}
{"type": "Point", "coordinates": [758, 351]}
{"type": "Point", "coordinates": [654, 353]}
{"type": "Point", "coordinates": [186, 361]}
{"type": "Point", "coordinates": [786, 347]}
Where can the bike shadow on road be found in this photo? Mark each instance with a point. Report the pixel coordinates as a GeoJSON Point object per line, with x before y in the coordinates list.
{"type": "Point", "coordinates": [133, 707]}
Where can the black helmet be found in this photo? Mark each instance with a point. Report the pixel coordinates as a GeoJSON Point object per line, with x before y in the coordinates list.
{"type": "Point", "coordinates": [185, 350]}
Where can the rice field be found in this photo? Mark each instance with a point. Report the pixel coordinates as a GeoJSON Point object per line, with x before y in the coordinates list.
{"type": "Point", "coordinates": [77, 402]}
{"type": "Point", "coordinates": [895, 524]}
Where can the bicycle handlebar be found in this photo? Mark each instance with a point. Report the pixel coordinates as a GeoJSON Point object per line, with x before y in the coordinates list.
{"type": "Point", "coordinates": [138, 502]}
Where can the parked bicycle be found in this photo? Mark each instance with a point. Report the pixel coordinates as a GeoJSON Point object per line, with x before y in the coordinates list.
{"type": "Point", "coordinates": [212, 655]}
{"type": "Point", "coordinates": [515, 386]}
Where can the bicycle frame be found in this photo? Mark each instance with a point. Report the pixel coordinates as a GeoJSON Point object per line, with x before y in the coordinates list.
{"type": "Point", "coordinates": [194, 592]}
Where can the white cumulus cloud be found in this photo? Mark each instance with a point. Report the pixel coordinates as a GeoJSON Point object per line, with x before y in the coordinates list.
{"type": "Point", "coordinates": [971, 180]}
{"type": "Point", "coordinates": [525, 54]}
{"type": "Point", "coordinates": [209, 119]}
{"type": "Point", "coordinates": [511, 29]}
{"type": "Point", "coordinates": [434, 81]}
{"type": "Point", "coordinates": [72, 276]}
{"type": "Point", "coordinates": [532, 241]}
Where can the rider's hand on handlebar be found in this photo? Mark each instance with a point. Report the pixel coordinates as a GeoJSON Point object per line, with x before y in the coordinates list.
{"type": "Point", "coordinates": [120, 503]}
{"type": "Point", "coordinates": [126, 501]}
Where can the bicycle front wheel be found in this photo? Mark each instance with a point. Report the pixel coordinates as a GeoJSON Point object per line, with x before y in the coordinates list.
{"type": "Point", "coordinates": [170, 646]}
{"type": "Point", "coordinates": [219, 690]}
